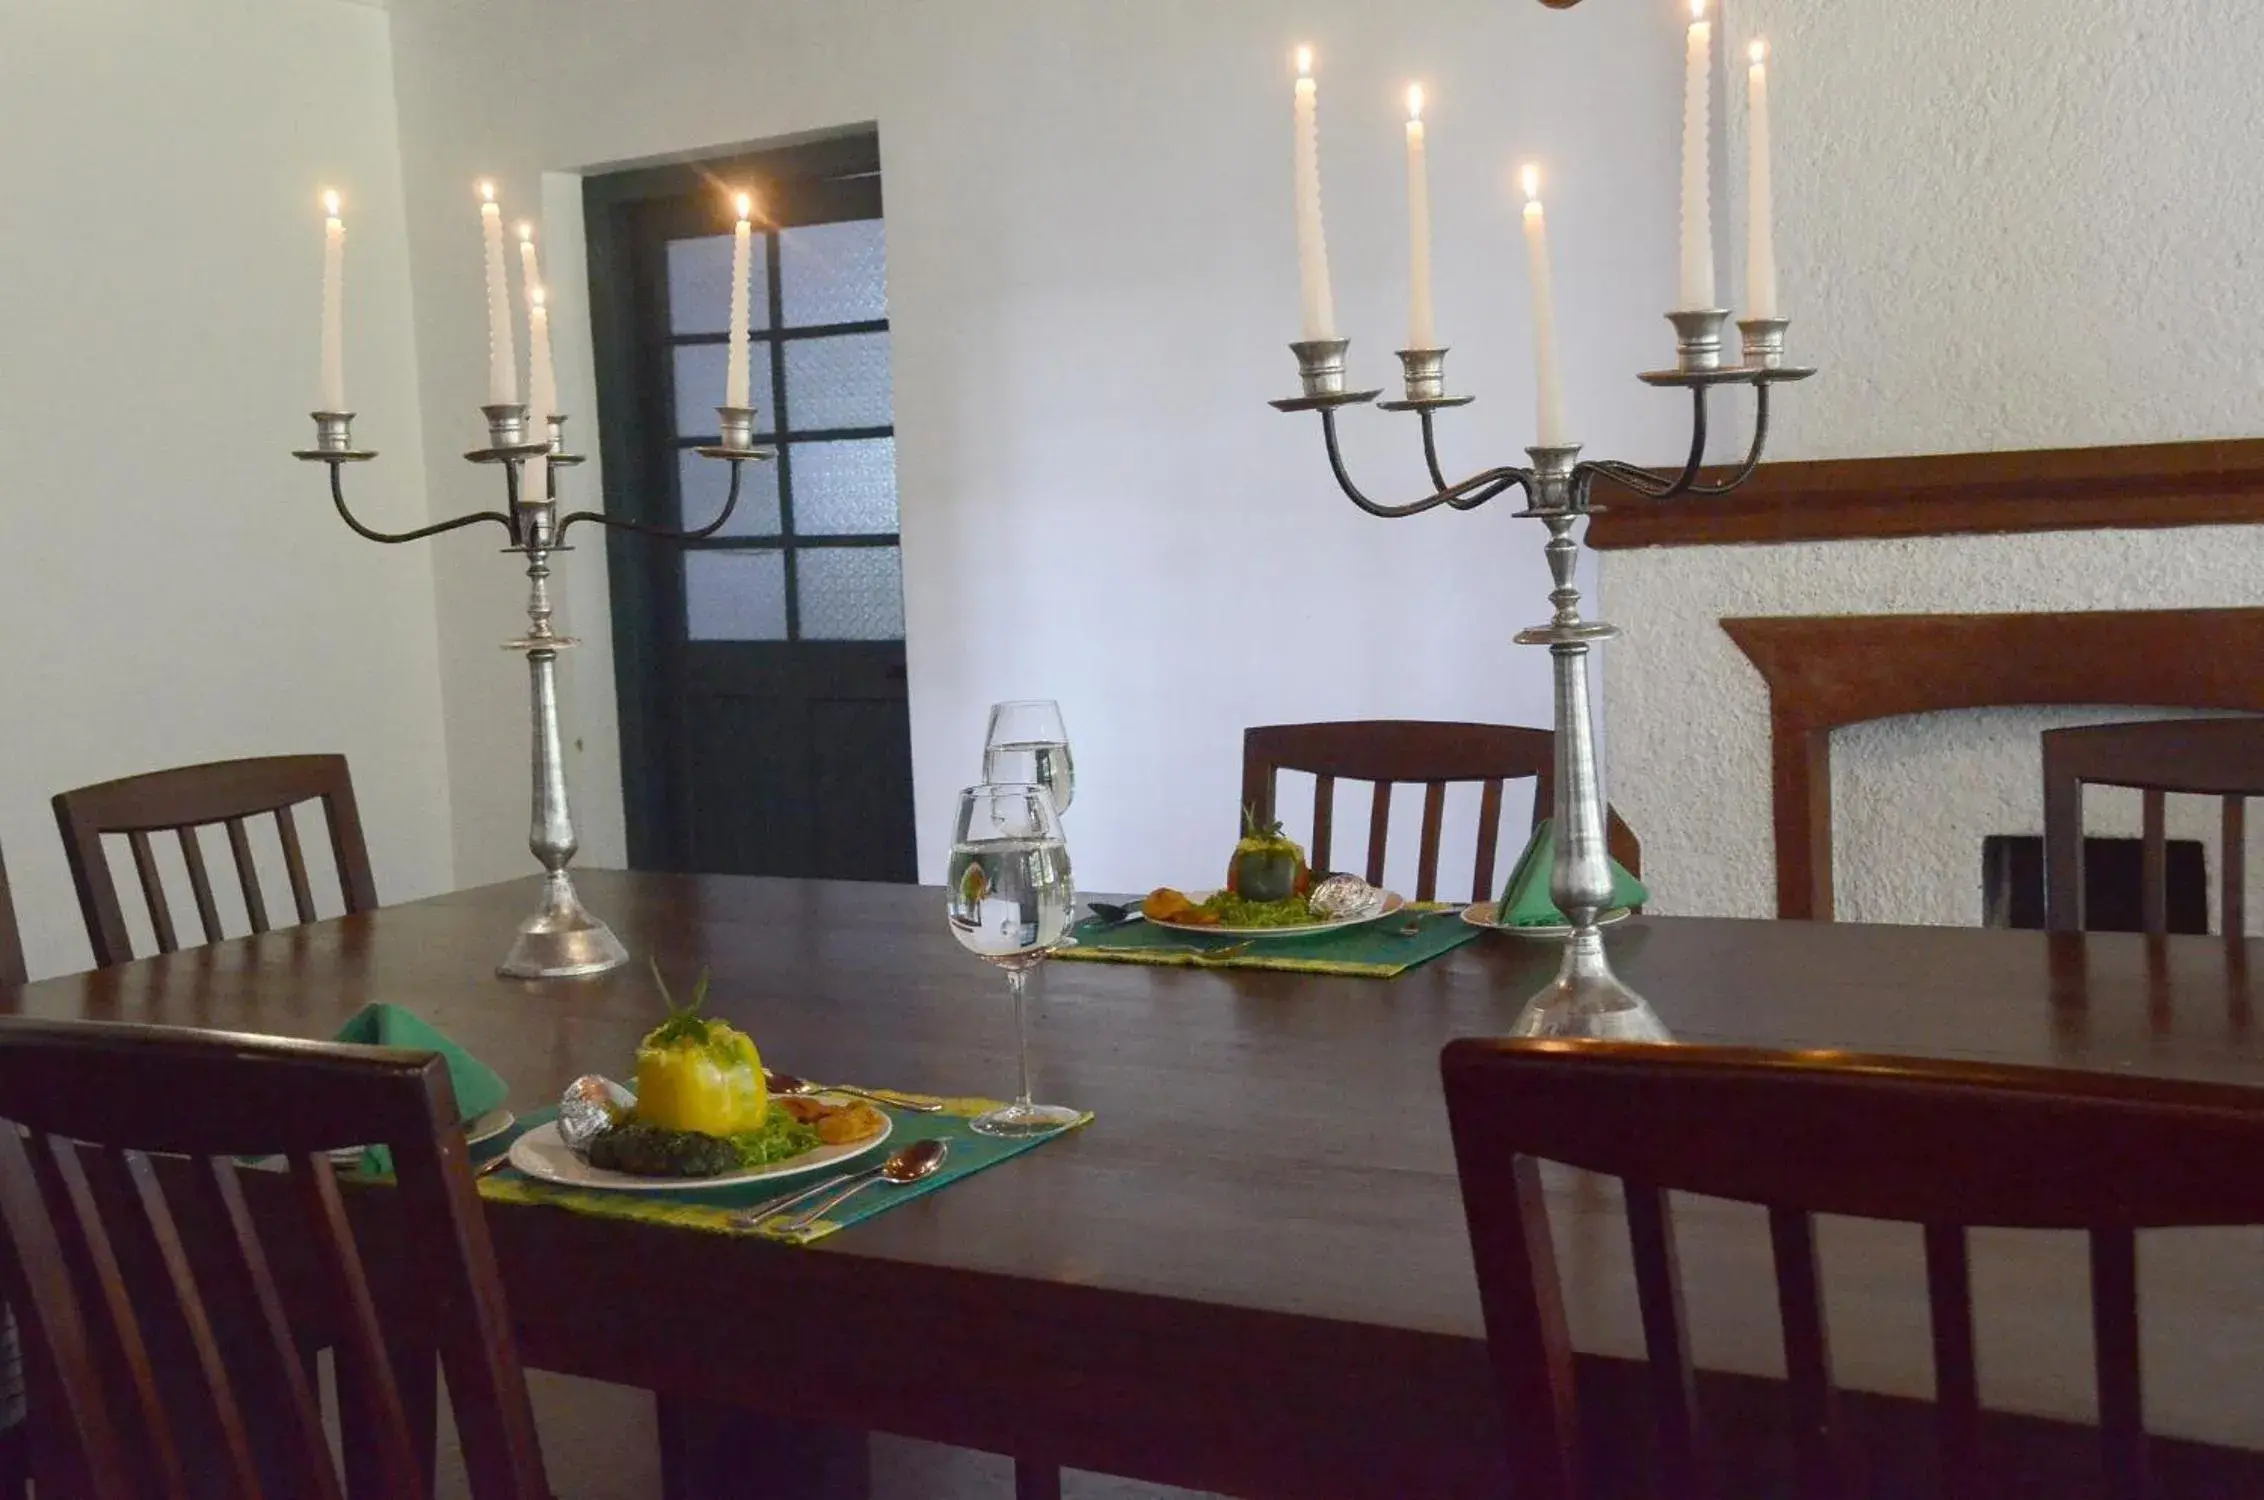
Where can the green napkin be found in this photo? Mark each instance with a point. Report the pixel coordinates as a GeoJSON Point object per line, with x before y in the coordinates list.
{"type": "Point", "coordinates": [1525, 899]}
{"type": "Point", "coordinates": [479, 1088]}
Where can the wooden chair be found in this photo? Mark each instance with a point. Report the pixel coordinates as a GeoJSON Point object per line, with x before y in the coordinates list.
{"type": "Point", "coordinates": [88, 1210]}
{"type": "Point", "coordinates": [2212, 757]}
{"type": "Point", "coordinates": [180, 802]}
{"type": "Point", "coordinates": [15, 1460]}
{"type": "Point", "coordinates": [1389, 752]}
{"type": "Point", "coordinates": [1943, 1145]}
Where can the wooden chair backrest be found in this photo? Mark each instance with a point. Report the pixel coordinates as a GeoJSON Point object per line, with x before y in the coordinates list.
{"type": "Point", "coordinates": [11, 936]}
{"type": "Point", "coordinates": [1434, 755]}
{"type": "Point", "coordinates": [1948, 1146]}
{"type": "Point", "coordinates": [119, 1168]}
{"type": "Point", "coordinates": [182, 801]}
{"type": "Point", "coordinates": [2211, 757]}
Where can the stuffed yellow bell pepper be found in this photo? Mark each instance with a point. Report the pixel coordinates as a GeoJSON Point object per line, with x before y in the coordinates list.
{"type": "Point", "coordinates": [699, 1074]}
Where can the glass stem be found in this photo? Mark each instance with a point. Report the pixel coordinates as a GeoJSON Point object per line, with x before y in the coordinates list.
{"type": "Point", "coordinates": [1018, 980]}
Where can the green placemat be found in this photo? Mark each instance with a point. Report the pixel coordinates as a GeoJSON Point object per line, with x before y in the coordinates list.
{"type": "Point", "coordinates": [719, 1210]}
{"type": "Point", "coordinates": [1376, 950]}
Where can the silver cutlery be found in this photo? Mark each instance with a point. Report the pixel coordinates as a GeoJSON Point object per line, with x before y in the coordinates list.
{"type": "Point", "coordinates": [788, 1086]}
{"type": "Point", "coordinates": [921, 1159]}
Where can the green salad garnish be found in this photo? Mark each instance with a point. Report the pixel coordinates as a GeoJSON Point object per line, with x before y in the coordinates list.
{"type": "Point", "coordinates": [647, 1150]}
{"type": "Point", "coordinates": [1233, 911]}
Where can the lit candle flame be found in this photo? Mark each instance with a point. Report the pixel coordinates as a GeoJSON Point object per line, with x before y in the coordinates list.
{"type": "Point", "coordinates": [745, 203]}
{"type": "Point", "coordinates": [487, 192]}
{"type": "Point", "coordinates": [330, 202]}
{"type": "Point", "coordinates": [1531, 176]}
{"type": "Point", "coordinates": [537, 296]}
{"type": "Point", "coordinates": [526, 232]}
{"type": "Point", "coordinates": [1304, 62]}
{"type": "Point", "coordinates": [1414, 101]}
{"type": "Point", "coordinates": [1758, 52]}
{"type": "Point", "coordinates": [1697, 10]}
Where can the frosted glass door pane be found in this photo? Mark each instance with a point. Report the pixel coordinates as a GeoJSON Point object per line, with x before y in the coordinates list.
{"type": "Point", "coordinates": [832, 273]}
{"type": "Point", "coordinates": [699, 284]}
{"type": "Point", "coordinates": [735, 596]}
{"type": "Point", "coordinates": [699, 388]}
{"type": "Point", "coordinates": [851, 593]}
{"type": "Point", "coordinates": [843, 489]}
{"type": "Point", "coordinates": [837, 382]}
{"type": "Point", "coordinates": [702, 484]}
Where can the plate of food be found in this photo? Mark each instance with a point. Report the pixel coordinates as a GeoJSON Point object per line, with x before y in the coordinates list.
{"type": "Point", "coordinates": [701, 1116]}
{"type": "Point", "coordinates": [1270, 891]}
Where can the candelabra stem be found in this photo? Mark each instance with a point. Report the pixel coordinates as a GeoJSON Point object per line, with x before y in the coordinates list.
{"type": "Point", "coordinates": [561, 940]}
{"type": "Point", "coordinates": [1586, 999]}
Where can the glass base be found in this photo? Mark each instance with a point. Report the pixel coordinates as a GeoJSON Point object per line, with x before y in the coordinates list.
{"type": "Point", "coordinates": [1025, 1120]}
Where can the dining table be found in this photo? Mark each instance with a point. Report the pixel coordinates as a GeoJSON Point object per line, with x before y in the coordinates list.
{"type": "Point", "coordinates": [1249, 1274]}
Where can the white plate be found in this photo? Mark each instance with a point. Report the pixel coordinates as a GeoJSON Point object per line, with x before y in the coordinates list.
{"type": "Point", "coordinates": [486, 1128]}
{"type": "Point", "coordinates": [1485, 913]}
{"type": "Point", "coordinates": [540, 1154]}
{"type": "Point", "coordinates": [1391, 903]}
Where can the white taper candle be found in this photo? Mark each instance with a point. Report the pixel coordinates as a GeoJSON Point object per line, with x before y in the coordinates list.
{"type": "Point", "coordinates": [1422, 325]}
{"type": "Point", "coordinates": [502, 357]}
{"type": "Point", "coordinates": [1760, 226]}
{"type": "Point", "coordinates": [1697, 288]}
{"type": "Point", "coordinates": [333, 306]}
{"type": "Point", "coordinates": [737, 374]}
{"type": "Point", "coordinates": [1548, 385]}
{"type": "Point", "coordinates": [542, 380]}
{"type": "Point", "coordinates": [1317, 302]}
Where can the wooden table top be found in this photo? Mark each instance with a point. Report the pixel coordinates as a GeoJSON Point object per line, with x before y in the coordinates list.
{"type": "Point", "coordinates": [1250, 1274]}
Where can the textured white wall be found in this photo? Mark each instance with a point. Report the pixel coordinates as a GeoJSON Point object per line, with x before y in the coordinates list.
{"type": "Point", "coordinates": [173, 586]}
{"type": "Point", "coordinates": [2003, 226]}
{"type": "Point", "coordinates": [1091, 283]}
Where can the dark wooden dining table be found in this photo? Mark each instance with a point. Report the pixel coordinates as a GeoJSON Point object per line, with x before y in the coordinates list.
{"type": "Point", "coordinates": [1250, 1274]}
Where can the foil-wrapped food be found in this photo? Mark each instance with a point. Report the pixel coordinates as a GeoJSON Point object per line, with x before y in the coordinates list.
{"type": "Point", "coordinates": [591, 1106]}
{"type": "Point", "coordinates": [1343, 896]}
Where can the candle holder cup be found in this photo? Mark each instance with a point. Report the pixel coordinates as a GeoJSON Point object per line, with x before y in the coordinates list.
{"type": "Point", "coordinates": [561, 939]}
{"type": "Point", "coordinates": [1586, 999]}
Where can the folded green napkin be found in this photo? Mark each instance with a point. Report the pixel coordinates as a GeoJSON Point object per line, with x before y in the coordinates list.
{"type": "Point", "coordinates": [479, 1088]}
{"type": "Point", "coordinates": [1525, 900]}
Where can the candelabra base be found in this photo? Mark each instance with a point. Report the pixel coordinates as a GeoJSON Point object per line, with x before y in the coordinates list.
{"type": "Point", "coordinates": [562, 941]}
{"type": "Point", "coordinates": [1587, 1000]}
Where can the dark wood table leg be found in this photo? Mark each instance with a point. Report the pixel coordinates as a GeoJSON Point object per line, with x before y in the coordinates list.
{"type": "Point", "coordinates": [1036, 1481]}
{"type": "Point", "coordinates": [712, 1452]}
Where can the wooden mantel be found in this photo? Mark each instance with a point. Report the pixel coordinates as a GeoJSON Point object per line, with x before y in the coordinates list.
{"type": "Point", "coordinates": [1826, 671]}
{"type": "Point", "coordinates": [2158, 484]}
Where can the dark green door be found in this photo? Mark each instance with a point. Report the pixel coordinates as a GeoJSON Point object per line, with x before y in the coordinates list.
{"type": "Point", "coordinates": [761, 671]}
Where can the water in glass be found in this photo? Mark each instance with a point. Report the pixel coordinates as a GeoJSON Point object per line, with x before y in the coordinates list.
{"type": "Point", "coordinates": [1045, 763]}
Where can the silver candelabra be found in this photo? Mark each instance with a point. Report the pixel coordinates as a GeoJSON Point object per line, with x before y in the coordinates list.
{"type": "Point", "coordinates": [1586, 999]}
{"type": "Point", "coordinates": [561, 940]}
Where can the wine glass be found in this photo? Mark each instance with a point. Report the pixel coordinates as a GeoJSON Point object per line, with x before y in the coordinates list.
{"type": "Point", "coordinates": [1027, 743]}
{"type": "Point", "coordinates": [1009, 899]}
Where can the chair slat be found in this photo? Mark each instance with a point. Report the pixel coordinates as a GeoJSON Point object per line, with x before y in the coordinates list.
{"type": "Point", "coordinates": [280, 1378]}
{"type": "Point", "coordinates": [1957, 1384]}
{"type": "Point", "coordinates": [1807, 1353]}
{"type": "Point", "coordinates": [200, 883]}
{"type": "Point", "coordinates": [247, 873]}
{"type": "Point", "coordinates": [1379, 831]}
{"type": "Point", "coordinates": [1666, 1339]}
{"type": "Point", "coordinates": [362, 1342]}
{"type": "Point", "coordinates": [2114, 1334]}
{"type": "Point", "coordinates": [2232, 854]}
{"type": "Point", "coordinates": [214, 1383]}
{"type": "Point", "coordinates": [1489, 834]}
{"type": "Point", "coordinates": [153, 892]}
{"type": "Point", "coordinates": [295, 864]}
{"type": "Point", "coordinates": [2153, 864]}
{"type": "Point", "coordinates": [1324, 820]}
{"type": "Point", "coordinates": [1427, 855]}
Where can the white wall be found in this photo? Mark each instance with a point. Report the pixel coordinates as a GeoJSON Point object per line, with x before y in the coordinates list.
{"type": "Point", "coordinates": [2002, 226]}
{"type": "Point", "coordinates": [173, 586]}
{"type": "Point", "coordinates": [1091, 284]}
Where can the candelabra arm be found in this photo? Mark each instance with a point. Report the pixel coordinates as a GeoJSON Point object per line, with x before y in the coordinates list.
{"type": "Point", "coordinates": [1752, 455]}
{"type": "Point", "coordinates": [1431, 449]}
{"type": "Point", "coordinates": [1475, 490]}
{"type": "Point", "coordinates": [666, 533]}
{"type": "Point", "coordinates": [338, 498]}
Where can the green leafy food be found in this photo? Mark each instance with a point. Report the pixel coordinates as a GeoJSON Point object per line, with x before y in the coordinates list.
{"type": "Point", "coordinates": [643, 1149]}
{"type": "Point", "coordinates": [1234, 911]}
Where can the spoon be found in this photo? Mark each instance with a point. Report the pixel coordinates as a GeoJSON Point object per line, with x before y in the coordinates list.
{"type": "Point", "coordinates": [919, 1160]}
{"type": "Point", "coordinates": [788, 1085]}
